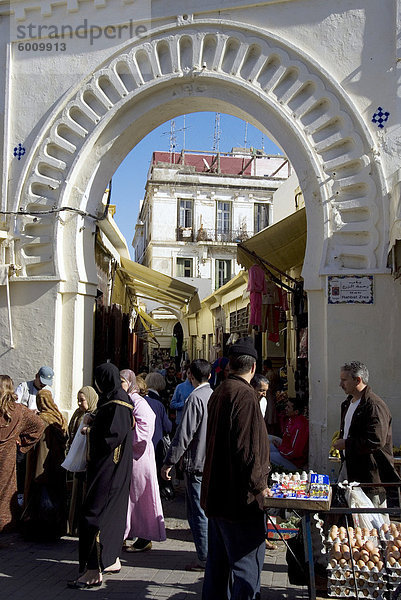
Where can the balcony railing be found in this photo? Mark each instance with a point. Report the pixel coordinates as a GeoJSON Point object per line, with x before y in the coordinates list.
{"type": "Point", "coordinates": [233, 236]}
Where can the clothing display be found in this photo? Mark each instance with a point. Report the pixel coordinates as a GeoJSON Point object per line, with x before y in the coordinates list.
{"type": "Point", "coordinates": [173, 346]}
{"type": "Point", "coordinates": [256, 287]}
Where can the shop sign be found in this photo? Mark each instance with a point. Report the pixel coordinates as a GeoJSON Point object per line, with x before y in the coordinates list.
{"type": "Point", "coordinates": [350, 289]}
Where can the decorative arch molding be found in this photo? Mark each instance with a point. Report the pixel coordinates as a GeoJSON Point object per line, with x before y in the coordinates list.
{"type": "Point", "coordinates": [339, 146]}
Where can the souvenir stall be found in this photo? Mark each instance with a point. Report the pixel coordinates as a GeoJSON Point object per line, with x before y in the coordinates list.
{"type": "Point", "coordinates": [278, 315]}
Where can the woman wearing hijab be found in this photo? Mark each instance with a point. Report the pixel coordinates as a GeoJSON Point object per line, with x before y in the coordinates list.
{"type": "Point", "coordinates": [45, 515]}
{"type": "Point", "coordinates": [19, 427]}
{"type": "Point", "coordinates": [87, 401]}
{"type": "Point", "coordinates": [103, 518]}
{"type": "Point", "coordinates": [145, 519]}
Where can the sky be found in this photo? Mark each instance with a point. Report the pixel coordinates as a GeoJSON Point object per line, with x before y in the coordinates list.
{"type": "Point", "coordinates": [128, 184]}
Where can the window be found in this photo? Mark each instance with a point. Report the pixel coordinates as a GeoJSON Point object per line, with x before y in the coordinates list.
{"type": "Point", "coordinates": [239, 321]}
{"type": "Point", "coordinates": [185, 210]}
{"type": "Point", "coordinates": [223, 217]}
{"type": "Point", "coordinates": [184, 267]}
{"type": "Point", "coordinates": [223, 272]}
{"type": "Point", "coordinates": [261, 216]}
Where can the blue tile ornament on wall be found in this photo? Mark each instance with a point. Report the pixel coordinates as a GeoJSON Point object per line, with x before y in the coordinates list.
{"type": "Point", "coordinates": [380, 117]}
{"type": "Point", "coordinates": [19, 151]}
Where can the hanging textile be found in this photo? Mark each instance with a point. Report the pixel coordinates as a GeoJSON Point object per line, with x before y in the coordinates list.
{"type": "Point", "coordinates": [173, 346]}
{"type": "Point", "coordinates": [256, 287]}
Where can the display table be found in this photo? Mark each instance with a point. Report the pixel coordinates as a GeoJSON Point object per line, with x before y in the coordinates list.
{"type": "Point", "coordinates": [306, 508]}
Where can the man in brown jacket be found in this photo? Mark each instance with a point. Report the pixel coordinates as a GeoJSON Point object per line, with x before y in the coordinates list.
{"type": "Point", "coordinates": [365, 434]}
{"type": "Point", "coordinates": [235, 482]}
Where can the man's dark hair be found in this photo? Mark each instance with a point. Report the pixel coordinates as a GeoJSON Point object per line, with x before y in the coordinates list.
{"type": "Point", "coordinates": [357, 369]}
{"type": "Point", "coordinates": [298, 404]}
{"type": "Point", "coordinates": [257, 379]}
{"type": "Point", "coordinates": [200, 369]}
{"type": "Point", "coordinates": [241, 364]}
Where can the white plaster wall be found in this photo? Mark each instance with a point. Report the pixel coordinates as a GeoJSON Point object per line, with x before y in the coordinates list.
{"type": "Point", "coordinates": [164, 229]}
{"type": "Point", "coordinates": [33, 314]}
{"type": "Point", "coordinates": [371, 334]}
{"type": "Point", "coordinates": [284, 199]}
{"type": "Point", "coordinates": [204, 210]}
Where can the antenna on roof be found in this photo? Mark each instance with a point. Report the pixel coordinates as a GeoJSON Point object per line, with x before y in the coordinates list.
{"type": "Point", "coordinates": [217, 133]}
{"type": "Point", "coordinates": [263, 143]}
{"type": "Point", "coordinates": [173, 138]}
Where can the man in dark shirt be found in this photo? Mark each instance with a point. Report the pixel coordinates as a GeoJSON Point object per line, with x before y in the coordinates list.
{"type": "Point", "coordinates": [235, 482]}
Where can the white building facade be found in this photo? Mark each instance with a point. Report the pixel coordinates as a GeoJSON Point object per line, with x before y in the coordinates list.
{"type": "Point", "coordinates": [321, 80]}
{"type": "Point", "coordinates": [193, 216]}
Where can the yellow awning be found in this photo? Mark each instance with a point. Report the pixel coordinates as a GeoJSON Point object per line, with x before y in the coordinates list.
{"type": "Point", "coordinates": [282, 244]}
{"type": "Point", "coordinates": [144, 316]}
{"type": "Point", "coordinates": [152, 285]}
{"type": "Point", "coordinates": [148, 330]}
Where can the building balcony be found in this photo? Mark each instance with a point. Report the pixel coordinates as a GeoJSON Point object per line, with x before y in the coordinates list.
{"type": "Point", "coordinates": [232, 236]}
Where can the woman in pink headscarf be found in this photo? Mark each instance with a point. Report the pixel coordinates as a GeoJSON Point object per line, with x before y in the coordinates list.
{"type": "Point", "coordinates": [145, 519]}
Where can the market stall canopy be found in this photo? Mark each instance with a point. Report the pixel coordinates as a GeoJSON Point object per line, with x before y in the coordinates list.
{"type": "Point", "coordinates": [152, 285]}
{"type": "Point", "coordinates": [145, 317]}
{"type": "Point", "coordinates": [282, 244]}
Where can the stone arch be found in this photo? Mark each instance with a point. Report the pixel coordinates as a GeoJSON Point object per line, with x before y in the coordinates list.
{"type": "Point", "coordinates": [268, 81]}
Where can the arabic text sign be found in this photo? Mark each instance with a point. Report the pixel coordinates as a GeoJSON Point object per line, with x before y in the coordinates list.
{"type": "Point", "coordinates": [350, 289]}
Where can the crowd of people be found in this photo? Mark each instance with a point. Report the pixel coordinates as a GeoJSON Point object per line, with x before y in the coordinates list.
{"type": "Point", "coordinates": [211, 426]}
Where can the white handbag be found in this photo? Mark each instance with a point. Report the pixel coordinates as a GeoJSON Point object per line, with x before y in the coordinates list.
{"type": "Point", "coordinates": [75, 461]}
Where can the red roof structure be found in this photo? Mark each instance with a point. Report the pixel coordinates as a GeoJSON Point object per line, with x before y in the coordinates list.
{"type": "Point", "coordinates": [207, 163]}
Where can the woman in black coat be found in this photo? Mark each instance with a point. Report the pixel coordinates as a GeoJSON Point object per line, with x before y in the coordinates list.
{"type": "Point", "coordinates": [104, 511]}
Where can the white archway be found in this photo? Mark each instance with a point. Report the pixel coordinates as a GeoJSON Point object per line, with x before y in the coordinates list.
{"type": "Point", "coordinates": [207, 65]}
{"type": "Point", "coordinates": [213, 66]}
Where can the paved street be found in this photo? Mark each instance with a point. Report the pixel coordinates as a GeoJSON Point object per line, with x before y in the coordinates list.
{"type": "Point", "coordinates": [40, 571]}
